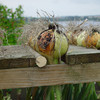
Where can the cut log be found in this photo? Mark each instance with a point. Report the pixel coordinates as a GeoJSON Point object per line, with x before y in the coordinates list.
{"type": "Point", "coordinates": [41, 61]}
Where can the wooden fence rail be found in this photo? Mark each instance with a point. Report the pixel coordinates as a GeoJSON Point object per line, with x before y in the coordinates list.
{"type": "Point", "coordinates": [17, 68]}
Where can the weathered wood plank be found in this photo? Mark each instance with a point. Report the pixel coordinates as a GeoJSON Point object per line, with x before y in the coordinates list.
{"type": "Point", "coordinates": [16, 51]}
{"type": "Point", "coordinates": [78, 55]}
{"type": "Point", "coordinates": [49, 75]}
{"type": "Point", "coordinates": [17, 56]}
{"type": "Point", "coordinates": [15, 63]}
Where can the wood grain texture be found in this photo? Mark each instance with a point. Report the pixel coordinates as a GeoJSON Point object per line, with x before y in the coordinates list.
{"type": "Point", "coordinates": [17, 51]}
{"type": "Point", "coordinates": [49, 75]}
{"type": "Point", "coordinates": [79, 55]}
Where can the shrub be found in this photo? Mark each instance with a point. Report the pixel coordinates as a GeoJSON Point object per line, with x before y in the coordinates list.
{"type": "Point", "coordinates": [11, 21]}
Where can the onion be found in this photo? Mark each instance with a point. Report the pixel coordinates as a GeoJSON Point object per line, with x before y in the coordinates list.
{"type": "Point", "coordinates": [98, 44]}
{"type": "Point", "coordinates": [50, 43]}
{"type": "Point", "coordinates": [69, 36]}
{"type": "Point", "coordinates": [81, 38]}
{"type": "Point", "coordinates": [93, 39]}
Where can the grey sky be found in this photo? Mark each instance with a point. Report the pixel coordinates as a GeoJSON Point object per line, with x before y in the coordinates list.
{"type": "Point", "coordinates": [59, 7]}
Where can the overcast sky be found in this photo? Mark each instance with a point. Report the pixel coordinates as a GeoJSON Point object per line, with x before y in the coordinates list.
{"type": "Point", "coordinates": [59, 7]}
